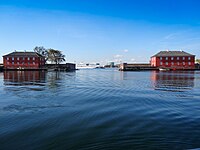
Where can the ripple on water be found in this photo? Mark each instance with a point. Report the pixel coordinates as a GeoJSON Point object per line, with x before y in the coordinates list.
{"type": "Point", "coordinates": [100, 109]}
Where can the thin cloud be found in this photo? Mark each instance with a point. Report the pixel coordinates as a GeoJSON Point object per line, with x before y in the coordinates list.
{"type": "Point", "coordinates": [125, 51]}
{"type": "Point", "coordinates": [118, 56]}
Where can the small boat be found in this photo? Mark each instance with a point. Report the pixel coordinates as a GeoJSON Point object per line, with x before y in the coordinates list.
{"type": "Point", "coordinates": [164, 69]}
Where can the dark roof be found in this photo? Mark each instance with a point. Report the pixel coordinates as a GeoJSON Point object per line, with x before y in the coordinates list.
{"type": "Point", "coordinates": [172, 53]}
{"type": "Point", "coordinates": [23, 54]}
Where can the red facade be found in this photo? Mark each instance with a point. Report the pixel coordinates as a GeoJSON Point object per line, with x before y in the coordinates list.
{"type": "Point", "coordinates": [173, 60]}
{"type": "Point", "coordinates": [23, 60]}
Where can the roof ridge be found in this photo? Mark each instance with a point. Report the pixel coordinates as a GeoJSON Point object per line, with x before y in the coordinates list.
{"type": "Point", "coordinates": [25, 53]}
{"type": "Point", "coordinates": [172, 53]}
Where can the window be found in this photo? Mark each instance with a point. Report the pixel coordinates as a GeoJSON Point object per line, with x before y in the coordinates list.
{"type": "Point", "coordinates": [172, 58]}
{"type": "Point", "coordinates": [33, 58]}
{"type": "Point", "coordinates": [183, 63]}
{"type": "Point", "coordinates": [178, 63]}
{"type": "Point", "coordinates": [18, 63]}
{"type": "Point", "coordinates": [23, 58]}
{"type": "Point", "coordinates": [8, 63]}
{"type": "Point", "coordinates": [34, 63]}
{"type": "Point", "coordinates": [28, 58]}
{"type": "Point", "coordinates": [28, 63]}
{"type": "Point", "coordinates": [166, 58]}
{"type": "Point", "coordinates": [17, 58]}
{"type": "Point", "coordinates": [172, 63]}
{"type": "Point", "coordinates": [189, 58]}
{"type": "Point", "coordinates": [189, 63]}
{"type": "Point", "coordinates": [7, 58]}
{"type": "Point", "coordinates": [13, 58]}
{"type": "Point", "coordinates": [13, 63]}
{"type": "Point", "coordinates": [166, 63]}
{"type": "Point", "coordinates": [160, 58]}
{"type": "Point", "coordinates": [177, 58]}
{"type": "Point", "coordinates": [160, 63]}
{"type": "Point", "coordinates": [183, 58]}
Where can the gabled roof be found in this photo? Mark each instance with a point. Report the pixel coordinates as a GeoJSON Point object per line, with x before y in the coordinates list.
{"type": "Point", "coordinates": [172, 53]}
{"type": "Point", "coordinates": [24, 54]}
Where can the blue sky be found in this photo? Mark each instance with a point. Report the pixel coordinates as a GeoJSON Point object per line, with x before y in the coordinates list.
{"type": "Point", "coordinates": [101, 30]}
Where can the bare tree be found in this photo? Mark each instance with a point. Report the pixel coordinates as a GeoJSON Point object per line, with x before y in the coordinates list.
{"type": "Point", "coordinates": [42, 51]}
{"type": "Point", "coordinates": [55, 56]}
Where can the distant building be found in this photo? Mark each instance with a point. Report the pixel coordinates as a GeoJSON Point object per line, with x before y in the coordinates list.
{"type": "Point", "coordinates": [112, 64]}
{"type": "Point", "coordinates": [23, 60]}
{"type": "Point", "coordinates": [173, 60]}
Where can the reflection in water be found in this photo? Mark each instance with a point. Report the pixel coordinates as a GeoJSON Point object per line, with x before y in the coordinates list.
{"type": "Point", "coordinates": [53, 79]}
{"type": "Point", "coordinates": [177, 81]}
{"type": "Point", "coordinates": [22, 78]}
{"type": "Point", "coordinates": [33, 82]}
{"type": "Point", "coordinates": [99, 109]}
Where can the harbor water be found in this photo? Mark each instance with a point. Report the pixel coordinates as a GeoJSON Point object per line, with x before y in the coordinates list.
{"type": "Point", "coordinates": [99, 109]}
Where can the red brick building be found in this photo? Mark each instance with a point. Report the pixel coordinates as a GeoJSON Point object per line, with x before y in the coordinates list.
{"type": "Point", "coordinates": [23, 60]}
{"type": "Point", "coordinates": [173, 60]}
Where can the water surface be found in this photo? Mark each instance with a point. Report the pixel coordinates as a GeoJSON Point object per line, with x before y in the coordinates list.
{"type": "Point", "coordinates": [99, 109]}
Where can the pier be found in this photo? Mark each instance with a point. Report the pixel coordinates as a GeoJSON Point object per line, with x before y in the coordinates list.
{"type": "Point", "coordinates": [136, 67]}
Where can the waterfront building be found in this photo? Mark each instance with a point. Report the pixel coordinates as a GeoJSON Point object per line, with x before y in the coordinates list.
{"type": "Point", "coordinates": [173, 60]}
{"type": "Point", "coordinates": [23, 60]}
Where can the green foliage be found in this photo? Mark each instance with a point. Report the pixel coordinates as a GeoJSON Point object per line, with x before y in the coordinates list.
{"type": "Point", "coordinates": [52, 55]}
{"type": "Point", "coordinates": [42, 51]}
{"type": "Point", "coordinates": [55, 56]}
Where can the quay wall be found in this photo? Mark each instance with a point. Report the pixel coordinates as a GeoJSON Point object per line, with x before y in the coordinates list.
{"type": "Point", "coordinates": [143, 67]}
{"type": "Point", "coordinates": [1, 67]}
{"type": "Point", "coordinates": [54, 67]}
{"type": "Point", "coordinates": [136, 67]}
{"type": "Point", "coordinates": [61, 67]}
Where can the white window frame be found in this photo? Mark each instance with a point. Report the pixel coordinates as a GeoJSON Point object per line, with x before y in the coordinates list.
{"type": "Point", "coordinates": [183, 58]}
{"type": "Point", "coordinates": [166, 58]}
{"type": "Point", "coordinates": [172, 58]}
{"type": "Point", "coordinates": [178, 58]}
